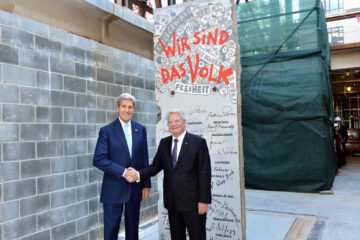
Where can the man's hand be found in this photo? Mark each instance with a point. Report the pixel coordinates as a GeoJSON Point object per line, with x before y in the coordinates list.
{"type": "Point", "coordinates": [145, 193]}
{"type": "Point", "coordinates": [131, 175]}
{"type": "Point", "coordinates": [203, 207]}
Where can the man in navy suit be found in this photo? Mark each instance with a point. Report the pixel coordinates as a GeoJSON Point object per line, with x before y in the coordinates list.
{"type": "Point", "coordinates": [122, 144]}
{"type": "Point", "coordinates": [185, 159]}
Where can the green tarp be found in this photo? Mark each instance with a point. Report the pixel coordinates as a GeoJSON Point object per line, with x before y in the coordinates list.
{"type": "Point", "coordinates": [286, 95]}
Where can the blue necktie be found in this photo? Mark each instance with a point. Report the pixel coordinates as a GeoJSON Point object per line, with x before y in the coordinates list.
{"type": "Point", "coordinates": [127, 136]}
{"type": "Point", "coordinates": [174, 153]}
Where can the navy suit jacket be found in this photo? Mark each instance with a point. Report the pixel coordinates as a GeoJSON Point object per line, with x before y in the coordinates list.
{"type": "Point", "coordinates": [112, 156]}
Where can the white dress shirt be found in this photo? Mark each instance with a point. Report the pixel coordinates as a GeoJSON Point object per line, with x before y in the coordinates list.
{"type": "Point", "coordinates": [179, 144]}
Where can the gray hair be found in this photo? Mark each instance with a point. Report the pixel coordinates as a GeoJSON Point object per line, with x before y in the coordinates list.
{"type": "Point", "coordinates": [126, 96]}
{"type": "Point", "coordinates": [176, 111]}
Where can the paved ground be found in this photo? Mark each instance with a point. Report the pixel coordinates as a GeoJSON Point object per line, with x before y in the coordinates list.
{"type": "Point", "coordinates": [300, 216]}
{"type": "Point", "coordinates": [339, 214]}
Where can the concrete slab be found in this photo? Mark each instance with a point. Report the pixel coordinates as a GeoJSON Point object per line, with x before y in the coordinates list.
{"type": "Point", "coordinates": [147, 231]}
{"type": "Point", "coordinates": [150, 231]}
{"type": "Point", "coordinates": [274, 227]}
{"type": "Point", "coordinates": [153, 236]}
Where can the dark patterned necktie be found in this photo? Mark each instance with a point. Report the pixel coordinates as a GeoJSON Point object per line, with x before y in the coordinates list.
{"type": "Point", "coordinates": [174, 153]}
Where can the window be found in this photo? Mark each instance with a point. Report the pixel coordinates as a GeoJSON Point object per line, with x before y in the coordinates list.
{"type": "Point", "coordinates": [333, 6]}
{"type": "Point", "coordinates": [336, 35]}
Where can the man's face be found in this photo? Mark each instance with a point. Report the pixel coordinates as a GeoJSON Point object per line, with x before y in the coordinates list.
{"type": "Point", "coordinates": [176, 124]}
{"type": "Point", "coordinates": [126, 110]}
{"type": "Point", "coordinates": [338, 122]}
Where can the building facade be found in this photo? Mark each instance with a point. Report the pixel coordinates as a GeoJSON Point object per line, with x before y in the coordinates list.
{"type": "Point", "coordinates": [343, 23]}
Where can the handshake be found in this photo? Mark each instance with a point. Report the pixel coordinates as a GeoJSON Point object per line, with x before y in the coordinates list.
{"type": "Point", "coordinates": [131, 175]}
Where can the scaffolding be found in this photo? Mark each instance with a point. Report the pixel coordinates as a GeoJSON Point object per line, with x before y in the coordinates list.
{"type": "Point", "coordinates": [286, 95]}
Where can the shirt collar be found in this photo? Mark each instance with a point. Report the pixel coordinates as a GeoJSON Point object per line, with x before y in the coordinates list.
{"type": "Point", "coordinates": [123, 123]}
{"type": "Point", "coordinates": [181, 137]}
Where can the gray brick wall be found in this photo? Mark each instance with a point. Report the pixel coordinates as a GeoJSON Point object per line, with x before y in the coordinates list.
{"type": "Point", "coordinates": [56, 91]}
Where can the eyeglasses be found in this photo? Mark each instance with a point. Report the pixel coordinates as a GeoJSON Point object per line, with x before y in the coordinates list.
{"type": "Point", "coordinates": [175, 121]}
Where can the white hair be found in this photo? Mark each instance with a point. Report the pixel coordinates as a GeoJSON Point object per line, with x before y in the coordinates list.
{"type": "Point", "coordinates": [176, 111]}
{"type": "Point", "coordinates": [126, 96]}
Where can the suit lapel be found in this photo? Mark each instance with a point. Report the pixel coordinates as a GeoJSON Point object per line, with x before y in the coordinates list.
{"type": "Point", "coordinates": [135, 136]}
{"type": "Point", "coordinates": [183, 150]}
{"type": "Point", "coordinates": [168, 151]}
{"type": "Point", "coordinates": [120, 133]}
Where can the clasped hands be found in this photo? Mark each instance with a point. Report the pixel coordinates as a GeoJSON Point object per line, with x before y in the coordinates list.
{"type": "Point", "coordinates": [131, 175]}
